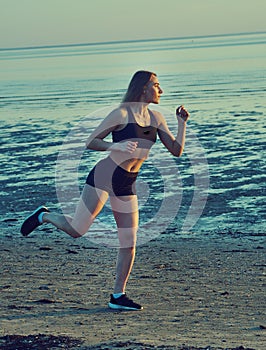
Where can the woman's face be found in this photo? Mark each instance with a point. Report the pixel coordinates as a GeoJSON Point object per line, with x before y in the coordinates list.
{"type": "Point", "coordinates": [152, 91]}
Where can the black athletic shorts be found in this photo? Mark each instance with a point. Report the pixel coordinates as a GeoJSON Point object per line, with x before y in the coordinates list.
{"type": "Point", "coordinates": [109, 177]}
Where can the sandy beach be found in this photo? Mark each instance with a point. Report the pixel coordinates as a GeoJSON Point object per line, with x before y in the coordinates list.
{"type": "Point", "coordinates": [197, 293]}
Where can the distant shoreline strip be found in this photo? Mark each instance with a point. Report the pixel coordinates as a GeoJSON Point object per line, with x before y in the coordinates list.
{"type": "Point", "coordinates": [129, 41]}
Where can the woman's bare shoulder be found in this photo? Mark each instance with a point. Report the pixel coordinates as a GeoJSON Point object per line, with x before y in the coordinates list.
{"type": "Point", "coordinates": [116, 117]}
{"type": "Point", "coordinates": [118, 113]}
{"type": "Point", "coordinates": [158, 116]}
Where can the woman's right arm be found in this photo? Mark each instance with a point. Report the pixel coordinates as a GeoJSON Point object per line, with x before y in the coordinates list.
{"type": "Point", "coordinates": [96, 140]}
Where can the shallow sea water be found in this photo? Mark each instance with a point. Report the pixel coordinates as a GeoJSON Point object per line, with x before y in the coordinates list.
{"type": "Point", "coordinates": [51, 98]}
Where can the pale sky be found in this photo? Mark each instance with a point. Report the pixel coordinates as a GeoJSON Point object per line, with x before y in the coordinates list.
{"type": "Point", "coordinates": [52, 22]}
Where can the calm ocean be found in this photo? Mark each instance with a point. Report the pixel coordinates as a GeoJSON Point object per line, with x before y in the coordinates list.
{"type": "Point", "coordinates": [54, 96]}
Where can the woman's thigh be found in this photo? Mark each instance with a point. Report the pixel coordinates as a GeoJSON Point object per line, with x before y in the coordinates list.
{"type": "Point", "coordinates": [126, 214]}
{"type": "Point", "coordinates": [90, 204]}
{"type": "Point", "coordinates": [125, 209]}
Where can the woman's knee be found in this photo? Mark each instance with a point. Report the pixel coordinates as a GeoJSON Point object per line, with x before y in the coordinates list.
{"type": "Point", "coordinates": [127, 237]}
{"type": "Point", "coordinates": [75, 234]}
{"type": "Point", "coordinates": [79, 230]}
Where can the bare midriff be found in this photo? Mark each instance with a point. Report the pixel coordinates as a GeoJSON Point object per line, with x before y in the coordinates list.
{"type": "Point", "coordinates": [130, 162]}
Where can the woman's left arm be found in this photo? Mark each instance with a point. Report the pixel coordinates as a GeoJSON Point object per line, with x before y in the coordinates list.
{"type": "Point", "coordinates": [175, 145]}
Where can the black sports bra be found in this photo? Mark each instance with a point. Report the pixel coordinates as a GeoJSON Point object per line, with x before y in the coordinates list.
{"type": "Point", "coordinates": [134, 131]}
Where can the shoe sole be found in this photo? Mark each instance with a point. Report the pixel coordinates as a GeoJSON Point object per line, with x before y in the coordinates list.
{"type": "Point", "coordinates": [121, 307]}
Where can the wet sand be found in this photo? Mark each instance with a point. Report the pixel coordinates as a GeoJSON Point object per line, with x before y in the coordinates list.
{"type": "Point", "coordinates": [197, 292]}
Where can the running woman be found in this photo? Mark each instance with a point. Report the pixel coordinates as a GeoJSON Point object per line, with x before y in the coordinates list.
{"type": "Point", "coordinates": [134, 129]}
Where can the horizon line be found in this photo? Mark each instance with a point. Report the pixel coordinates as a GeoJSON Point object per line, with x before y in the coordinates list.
{"type": "Point", "coordinates": [127, 41]}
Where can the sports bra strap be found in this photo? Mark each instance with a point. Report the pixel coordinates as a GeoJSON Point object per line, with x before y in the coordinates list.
{"type": "Point", "coordinates": [131, 118]}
